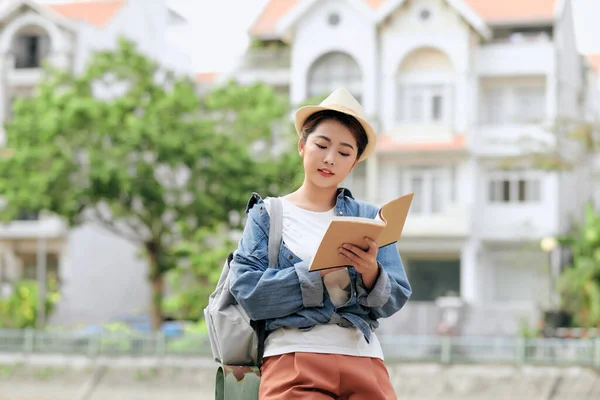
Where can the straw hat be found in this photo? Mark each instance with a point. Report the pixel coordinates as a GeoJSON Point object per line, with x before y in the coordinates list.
{"type": "Point", "coordinates": [342, 101]}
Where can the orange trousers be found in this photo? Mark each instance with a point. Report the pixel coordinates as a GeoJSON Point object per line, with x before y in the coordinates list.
{"type": "Point", "coordinates": [324, 376]}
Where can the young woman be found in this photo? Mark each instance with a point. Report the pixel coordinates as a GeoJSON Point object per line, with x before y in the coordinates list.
{"type": "Point", "coordinates": [321, 342]}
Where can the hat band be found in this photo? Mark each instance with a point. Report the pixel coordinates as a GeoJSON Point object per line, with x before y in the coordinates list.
{"type": "Point", "coordinates": [345, 109]}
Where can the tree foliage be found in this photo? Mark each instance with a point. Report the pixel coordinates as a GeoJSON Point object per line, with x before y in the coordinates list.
{"type": "Point", "coordinates": [579, 284]}
{"type": "Point", "coordinates": [19, 310]}
{"type": "Point", "coordinates": [130, 146]}
{"type": "Point", "coordinates": [257, 116]}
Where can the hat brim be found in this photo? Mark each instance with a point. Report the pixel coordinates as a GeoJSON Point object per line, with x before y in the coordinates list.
{"type": "Point", "coordinates": [304, 112]}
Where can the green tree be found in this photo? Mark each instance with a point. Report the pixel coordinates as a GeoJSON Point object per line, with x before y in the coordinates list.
{"type": "Point", "coordinates": [126, 145]}
{"type": "Point", "coordinates": [252, 114]}
{"type": "Point", "coordinates": [579, 284]}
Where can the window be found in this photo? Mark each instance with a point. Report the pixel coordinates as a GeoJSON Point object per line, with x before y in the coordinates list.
{"type": "Point", "coordinates": [432, 188]}
{"type": "Point", "coordinates": [493, 108]}
{"type": "Point", "coordinates": [30, 50]}
{"type": "Point", "coordinates": [26, 215]}
{"type": "Point", "coordinates": [424, 14]}
{"type": "Point", "coordinates": [416, 185]}
{"type": "Point", "coordinates": [332, 71]}
{"type": "Point", "coordinates": [531, 104]}
{"type": "Point", "coordinates": [514, 190]}
{"type": "Point", "coordinates": [30, 266]}
{"type": "Point", "coordinates": [513, 104]}
{"type": "Point", "coordinates": [424, 103]}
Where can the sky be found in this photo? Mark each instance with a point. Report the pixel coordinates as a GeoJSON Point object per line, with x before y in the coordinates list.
{"type": "Point", "coordinates": [217, 34]}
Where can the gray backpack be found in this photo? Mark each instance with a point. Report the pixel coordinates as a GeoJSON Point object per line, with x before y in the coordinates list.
{"type": "Point", "coordinates": [234, 338]}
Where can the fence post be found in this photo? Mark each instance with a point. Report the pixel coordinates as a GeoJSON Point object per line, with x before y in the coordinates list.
{"type": "Point", "coordinates": [28, 343]}
{"type": "Point", "coordinates": [160, 343]}
{"type": "Point", "coordinates": [446, 350]}
{"type": "Point", "coordinates": [93, 345]}
{"type": "Point", "coordinates": [521, 349]}
{"type": "Point", "coordinates": [597, 352]}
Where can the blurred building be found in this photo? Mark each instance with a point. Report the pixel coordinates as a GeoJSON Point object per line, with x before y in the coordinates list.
{"type": "Point", "coordinates": [463, 93]}
{"type": "Point", "coordinates": [101, 275]}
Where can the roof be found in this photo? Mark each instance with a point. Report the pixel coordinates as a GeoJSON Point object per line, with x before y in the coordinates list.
{"type": "Point", "coordinates": [594, 60]}
{"type": "Point", "coordinates": [491, 11]}
{"type": "Point", "coordinates": [513, 10]}
{"type": "Point", "coordinates": [94, 12]}
{"type": "Point", "coordinates": [206, 77]}
{"type": "Point", "coordinates": [271, 14]}
{"type": "Point", "coordinates": [374, 4]}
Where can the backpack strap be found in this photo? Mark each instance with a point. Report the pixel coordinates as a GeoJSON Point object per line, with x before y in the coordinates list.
{"type": "Point", "coordinates": [275, 235]}
{"type": "Point", "coordinates": [275, 230]}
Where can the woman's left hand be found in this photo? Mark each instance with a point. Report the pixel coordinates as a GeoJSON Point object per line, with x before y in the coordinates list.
{"type": "Point", "coordinates": [364, 261]}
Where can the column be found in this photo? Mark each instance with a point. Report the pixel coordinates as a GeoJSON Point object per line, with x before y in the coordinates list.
{"type": "Point", "coordinates": [552, 100]}
{"type": "Point", "coordinates": [371, 178]}
{"type": "Point", "coordinates": [6, 63]}
{"type": "Point", "coordinates": [470, 280]}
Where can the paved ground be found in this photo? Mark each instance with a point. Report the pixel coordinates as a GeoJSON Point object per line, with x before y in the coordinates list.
{"type": "Point", "coordinates": [61, 378]}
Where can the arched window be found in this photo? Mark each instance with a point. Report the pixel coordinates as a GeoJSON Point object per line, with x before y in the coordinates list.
{"type": "Point", "coordinates": [333, 71]}
{"type": "Point", "coordinates": [31, 45]}
{"type": "Point", "coordinates": [425, 88]}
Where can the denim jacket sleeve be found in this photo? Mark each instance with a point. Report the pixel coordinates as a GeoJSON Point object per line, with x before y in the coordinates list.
{"type": "Point", "coordinates": [267, 293]}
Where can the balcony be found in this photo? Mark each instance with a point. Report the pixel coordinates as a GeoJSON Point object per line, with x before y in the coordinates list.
{"type": "Point", "coordinates": [271, 66]}
{"type": "Point", "coordinates": [517, 56]}
{"type": "Point", "coordinates": [454, 222]}
{"type": "Point", "coordinates": [30, 225]}
{"type": "Point", "coordinates": [516, 222]}
{"type": "Point", "coordinates": [511, 139]}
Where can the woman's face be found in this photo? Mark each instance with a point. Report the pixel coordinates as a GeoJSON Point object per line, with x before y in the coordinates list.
{"type": "Point", "coordinates": [329, 154]}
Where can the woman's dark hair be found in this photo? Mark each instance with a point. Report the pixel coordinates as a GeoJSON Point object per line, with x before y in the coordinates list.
{"type": "Point", "coordinates": [313, 121]}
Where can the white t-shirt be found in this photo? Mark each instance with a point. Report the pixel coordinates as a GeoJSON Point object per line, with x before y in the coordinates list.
{"type": "Point", "coordinates": [302, 230]}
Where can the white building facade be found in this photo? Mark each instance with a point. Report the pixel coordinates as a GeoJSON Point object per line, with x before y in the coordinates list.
{"type": "Point", "coordinates": [101, 276]}
{"type": "Point", "coordinates": [454, 87]}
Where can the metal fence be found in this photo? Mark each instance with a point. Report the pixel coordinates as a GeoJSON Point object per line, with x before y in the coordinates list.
{"type": "Point", "coordinates": [498, 350]}
{"type": "Point", "coordinates": [106, 343]}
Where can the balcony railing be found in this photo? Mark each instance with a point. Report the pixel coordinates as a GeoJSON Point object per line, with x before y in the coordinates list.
{"type": "Point", "coordinates": [266, 59]}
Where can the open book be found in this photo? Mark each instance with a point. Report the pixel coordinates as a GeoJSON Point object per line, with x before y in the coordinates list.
{"type": "Point", "coordinates": [385, 228]}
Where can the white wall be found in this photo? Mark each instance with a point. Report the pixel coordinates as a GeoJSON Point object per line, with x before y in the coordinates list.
{"type": "Point", "coordinates": [514, 273]}
{"type": "Point", "coordinates": [570, 69]}
{"type": "Point", "coordinates": [103, 278]}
